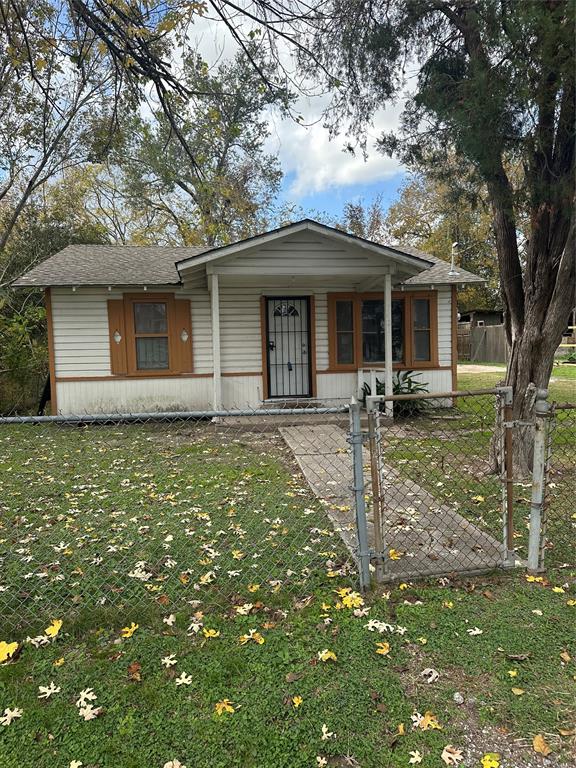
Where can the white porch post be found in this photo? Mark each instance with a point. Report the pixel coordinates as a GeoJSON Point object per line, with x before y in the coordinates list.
{"type": "Point", "coordinates": [216, 365]}
{"type": "Point", "coordinates": [389, 408]}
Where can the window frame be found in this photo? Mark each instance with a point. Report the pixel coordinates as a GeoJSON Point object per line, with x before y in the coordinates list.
{"type": "Point", "coordinates": [131, 335]}
{"type": "Point", "coordinates": [408, 339]}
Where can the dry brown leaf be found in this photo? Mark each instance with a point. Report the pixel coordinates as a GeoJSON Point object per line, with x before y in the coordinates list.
{"type": "Point", "coordinates": [134, 671]}
{"type": "Point", "coordinates": [567, 731]}
{"type": "Point", "coordinates": [565, 656]}
{"type": "Point", "coordinates": [163, 600]}
{"type": "Point", "coordinates": [540, 746]}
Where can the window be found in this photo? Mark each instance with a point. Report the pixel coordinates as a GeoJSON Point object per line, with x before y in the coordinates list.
{"type": "Point", "coordinates": [345, 332]}
{"type": "Point", "coordinates": [357, 330]}
{"type": "Point", "coordinates": [421, 329]}
{"type": "Point", "coordinates": [372, 330]}
{"type": "Point", "coordinates": [286, 310]}
{"type": "Point", "coordinates": [150, 335]}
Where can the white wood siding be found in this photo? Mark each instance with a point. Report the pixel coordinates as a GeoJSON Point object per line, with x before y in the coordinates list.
{"type": "Point", "coordinates": [307, 253]}
{"type": "Point", "coordinates": [80, 323]}
{"type": "Point", "coordinates": [134, 395]}
{"type": "Point", "coordinates": [240, 340]}
{"type": "Point", "coordinates": [445, 327]}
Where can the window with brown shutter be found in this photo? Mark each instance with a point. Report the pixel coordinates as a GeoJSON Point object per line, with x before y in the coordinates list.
{"type": "Point", "coordinates": [150, 335]}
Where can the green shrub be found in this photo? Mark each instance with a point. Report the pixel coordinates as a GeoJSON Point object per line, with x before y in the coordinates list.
{"type": "Point", "coordinates": [403, 383]}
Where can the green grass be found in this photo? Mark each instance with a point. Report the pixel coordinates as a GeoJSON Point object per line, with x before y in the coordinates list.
{"type": "Point", "coordinates": [561, 390]}
{"type": "Point", "coordinates": [197, 495]}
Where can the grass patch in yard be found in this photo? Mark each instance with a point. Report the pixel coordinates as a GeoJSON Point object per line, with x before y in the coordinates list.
{"type": "Point", "coordinates": [112, 517]}
{"type": "Point", "coordinates": [362, 697]}
{"type": "Point", "coordinates": [235, 505]}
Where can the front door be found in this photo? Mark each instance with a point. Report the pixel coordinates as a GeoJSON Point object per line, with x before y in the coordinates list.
{"type": "Point", "coordinates": [288, 345]}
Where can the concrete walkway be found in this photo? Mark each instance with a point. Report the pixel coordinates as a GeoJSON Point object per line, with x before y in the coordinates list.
{"type": "Point", "coordinates": [431, 537]}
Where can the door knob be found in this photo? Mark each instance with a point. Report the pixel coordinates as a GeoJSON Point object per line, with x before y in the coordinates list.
{"type": "Point", "coordinates": [271, 345]}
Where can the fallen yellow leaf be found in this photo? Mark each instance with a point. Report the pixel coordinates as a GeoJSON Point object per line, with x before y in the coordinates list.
{"type": "Point", "coordinates": [518, 691]}
{"type": "Point", "coordinates": [540, 746]}
{"type": "Point", "coordinates": [7, 650]}
{"type": "Point", "coordinates": [327, 655]}
{"type": "Point", "coordinates": [129, 631]}
{"type": "Point", "coordinates": [383, 648]}
{"type": "Point", "coordinates": [53, 628]}
{"type": "Point", "coordinates": [224, 706]}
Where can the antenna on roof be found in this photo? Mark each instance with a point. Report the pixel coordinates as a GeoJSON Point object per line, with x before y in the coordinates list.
{"type": "Point", "coordinates": [453, 271]}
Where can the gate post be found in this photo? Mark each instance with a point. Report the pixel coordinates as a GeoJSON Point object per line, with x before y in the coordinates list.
{"type": "Point", "coordinates": [536, 535]}
{"type": "Point", "coordinates": [375, 473]}
{"type": "Point", "coordinates": [356, 439]}
{"type": "Point", "coordinates": [508, 476]}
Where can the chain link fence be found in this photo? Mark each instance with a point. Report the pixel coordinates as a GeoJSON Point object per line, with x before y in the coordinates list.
{"type": "Point", "coordinates": [558, 523]}
{"type": "Point", "coordinates": [116, 514]}
{"type": "Point", "coordinates": [440, 504]}
{"type": "Point", "coordinates": [119, 514]}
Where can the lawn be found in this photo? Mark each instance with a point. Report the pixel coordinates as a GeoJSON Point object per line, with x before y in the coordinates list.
{"type": "Point", "coordinates": [209, 540]}
{"type": "Point", "coordinates": [562, 388]}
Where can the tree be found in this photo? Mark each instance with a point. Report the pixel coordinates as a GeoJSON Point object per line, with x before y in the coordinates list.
{"type": "Point", "coordinates": [364, 221]}
{"type": "Point", "coordinates": [53, 115]}
{"type": "Point", "coordinates": [495, 88]}
{"type": "Point", "coordinates": [227, 194]}
{"type": "Point", "coordinates": [142, 43]}
{"type": "Point", "coordinates": [431, 214]}
{"type": "Point", "coordinates": [52, 220]}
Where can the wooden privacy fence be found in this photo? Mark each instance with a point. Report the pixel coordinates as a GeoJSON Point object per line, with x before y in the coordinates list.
{"type": "Point", "coordinates": [482, 344]}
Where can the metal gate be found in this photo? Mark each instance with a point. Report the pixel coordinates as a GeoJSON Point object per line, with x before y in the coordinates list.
{"type": "Point", "coordinates": [288, 346]}
{"type": "Point", "coordinates": [434, 504]}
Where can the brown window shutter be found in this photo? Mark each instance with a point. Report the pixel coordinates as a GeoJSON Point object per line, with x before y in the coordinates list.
{"type": "Point", "coordinates": [117, 337]}
{"type": "Point", "coordinates": [183, 328]}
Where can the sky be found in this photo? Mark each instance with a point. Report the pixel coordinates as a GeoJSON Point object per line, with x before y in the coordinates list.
{"type": "Point", "coordinates": [318, 174]}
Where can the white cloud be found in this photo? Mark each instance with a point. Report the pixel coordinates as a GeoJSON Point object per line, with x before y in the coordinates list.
{"type": "Point", "coordinates": [319, 163]}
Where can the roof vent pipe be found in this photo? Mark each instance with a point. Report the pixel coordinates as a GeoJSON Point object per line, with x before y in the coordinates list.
{"type": "Point", "coordinates": [453, 271]}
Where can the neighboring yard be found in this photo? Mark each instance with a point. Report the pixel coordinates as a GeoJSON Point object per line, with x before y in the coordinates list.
{"type": "Point", "coordinates": [200, 536]}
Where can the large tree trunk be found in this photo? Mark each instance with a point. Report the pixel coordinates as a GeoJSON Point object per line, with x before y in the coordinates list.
{"type": "Point", "coordinates": [548, 303]}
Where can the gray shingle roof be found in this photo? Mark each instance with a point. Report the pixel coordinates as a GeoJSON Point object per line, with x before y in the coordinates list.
{"type": "Point", "coordinates": [156, 265]}
{"type": "Point", "coordinates": [439, 272]}
{"type": "Point", "coordinates": [109, 265]}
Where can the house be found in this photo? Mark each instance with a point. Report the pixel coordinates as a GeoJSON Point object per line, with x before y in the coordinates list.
{"type": "Point", "coordinates": [303, 311]}
{"type": "Point", "coordinates": [481, 318]}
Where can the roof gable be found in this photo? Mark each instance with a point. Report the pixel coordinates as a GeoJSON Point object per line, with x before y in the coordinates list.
{"type": "Point", "coordinates": [409, 262]}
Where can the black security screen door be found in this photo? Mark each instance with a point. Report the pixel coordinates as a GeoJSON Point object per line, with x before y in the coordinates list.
{"type": "Point", "coordinates": [288, 345]}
